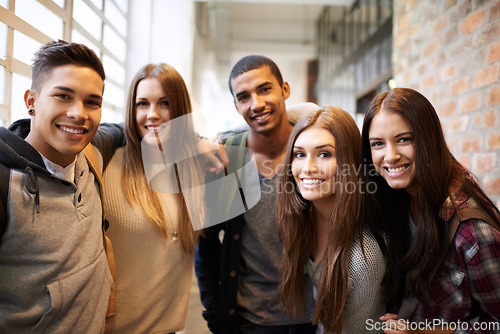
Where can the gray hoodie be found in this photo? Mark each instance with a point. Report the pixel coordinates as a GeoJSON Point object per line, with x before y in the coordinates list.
{"type": "Point", "coordinates": [54, 276]}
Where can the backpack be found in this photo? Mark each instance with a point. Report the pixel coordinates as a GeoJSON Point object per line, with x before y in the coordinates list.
{"type": "Point", "coordinates": [89, 153]}
{"type": "Point", "coordinates": [409, 304]}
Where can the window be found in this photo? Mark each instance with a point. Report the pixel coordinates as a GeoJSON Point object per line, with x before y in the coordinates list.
{"type": "Point", "coordinates": [27, 24]}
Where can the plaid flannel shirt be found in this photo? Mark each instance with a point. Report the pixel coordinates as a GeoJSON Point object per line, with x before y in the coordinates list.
{"type": "Point", "coordinates": [466, 286]}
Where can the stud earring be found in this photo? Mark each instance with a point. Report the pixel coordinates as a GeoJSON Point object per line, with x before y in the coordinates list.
{"type": "Point", "coordinates": [31, 111]}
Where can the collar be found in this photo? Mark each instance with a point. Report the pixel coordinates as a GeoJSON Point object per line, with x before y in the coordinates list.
{"type": "Point", "coordinates": [64, 173]}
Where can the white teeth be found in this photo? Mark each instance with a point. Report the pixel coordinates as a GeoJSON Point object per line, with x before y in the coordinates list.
{"type": "Point", "coordinates": [70, 130]}
{"type": "Point", "coordinates": [260, 117]}
{"type": "Point", "coordinates": [312, 181]}
{"type": "Point", "coordinates": [395, 170]}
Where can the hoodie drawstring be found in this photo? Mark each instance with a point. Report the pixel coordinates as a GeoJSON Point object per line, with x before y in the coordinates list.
{"type": "Point", "coordinates": [32, 186]}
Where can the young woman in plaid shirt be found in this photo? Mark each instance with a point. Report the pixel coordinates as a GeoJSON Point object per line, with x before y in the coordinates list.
{"type": "Point", "coordinates": [455, 284]}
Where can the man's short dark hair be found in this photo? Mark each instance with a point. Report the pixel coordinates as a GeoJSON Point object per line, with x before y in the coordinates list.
{"type": "Point", "coordinates": [254, 62]}
{"type": "Point", "coordinates": [60, 53]}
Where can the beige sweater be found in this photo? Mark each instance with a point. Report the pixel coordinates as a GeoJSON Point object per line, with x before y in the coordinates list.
{"type": "Point", "coordinates": [153, 272]}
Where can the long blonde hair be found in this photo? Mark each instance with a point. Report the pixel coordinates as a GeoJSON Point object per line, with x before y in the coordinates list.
{"type": "Point", "coordinates": [295, 228]}
{"type": "Point", "coordinates": [136, 189]}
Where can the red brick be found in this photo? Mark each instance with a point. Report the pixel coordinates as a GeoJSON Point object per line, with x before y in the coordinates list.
{"type": "Point", "coordinates": [472, 22]}
{"type": "Point", "coordinates": [448, 73]}
{"type": "Point", "coordinates": [428, 82]}
{"type": "Point", "coordinates": [471, 102]}
{"type": "Point", "coordinates": [457, 125]}
{"type": "Point", "coordinates": [491, 185]}
{"type": "Point", "coordinates": [489, 35]}
{"type": "Point", "coordinates": [447, 109]}
{"type": "Point", "coordinates": [486, 119]}
{"type": "Point", "coordinates": [493, 98]}
{"type": "Point", "coordinates": [485, 162]}
{"type": "Point", "coordinates": [487, 76]}
{"type": "Point", "coordinates": [450, 3]}
{"type": "Point", "coordinates": [461, 48]}
{"type": "Point", "coordinates": [440, 25]}
{"type": "Point", "coordinates": [452, 144]}
{"type": "Point", "coordinates": [422, 69]}
{"type": "Point", "coordinates": [471, 144]}
{"type": "Point", "coordinates": [403, 22]}
{"type": "Point", "coordinates": [450, 36]}
{"type": "Point", "coordinates": [494, 53]}
{"type": "Point", "coordinates": [464, 160]}
{"type": "Point", "coordinates": [439, 60]}
{"type": "Point", "coordinates": [430, 48]}
{"type": "Point", "coordinates": [459, 87]}
{"type": "Point", "coordinates": [494, 141]}
{"type": "Point", "coordinates": [411, 4]}
{"type": "Point", "coordinates": [495, 11]}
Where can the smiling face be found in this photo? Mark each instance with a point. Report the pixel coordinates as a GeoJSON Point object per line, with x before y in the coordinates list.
{"type": "Point", "coordinates": [67, 112]}
{"type": "Point", "coordinates": [260, 99]}
{"type": "Point", "coordinates": [152, 108]}
{"type": "Point", "coordinates": [314, 164]}
{"type": "Point", "coordinates": [393, 150]}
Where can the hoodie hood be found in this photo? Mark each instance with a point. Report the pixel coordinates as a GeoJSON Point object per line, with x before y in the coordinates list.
{"type": "Point", "coordinates": [15, 152]}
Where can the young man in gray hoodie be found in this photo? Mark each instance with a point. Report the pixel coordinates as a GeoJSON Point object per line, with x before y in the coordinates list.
{"type": "Point", "coordinates": [54, 275]}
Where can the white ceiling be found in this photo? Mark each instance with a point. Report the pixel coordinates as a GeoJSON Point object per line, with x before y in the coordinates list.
{"type": "Point", "coordinates": [265, 26]}
{"type": "Point", "coordinates": [289, 2]}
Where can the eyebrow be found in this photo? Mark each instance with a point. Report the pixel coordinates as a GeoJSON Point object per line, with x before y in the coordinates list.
{"type": "Point", "coordinates": [396, 136]}
{"type": "Point", "coordinates": [69, 90]}
{"type": "Point", "coordinates": [259, 86]}
{"type": "Point", "coordinates": [317, 147]}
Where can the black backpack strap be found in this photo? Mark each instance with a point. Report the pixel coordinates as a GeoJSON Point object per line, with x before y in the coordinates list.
{"type": "Point", "coordinates": [4, 193]}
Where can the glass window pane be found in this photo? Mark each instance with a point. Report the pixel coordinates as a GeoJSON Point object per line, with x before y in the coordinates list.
{"type": "Point", "coordinates": [123, 5]}
{"type": "Point", "coordinates": [19, 85]}
{"type": "Point", "coordinates": [24, 47]}
{"type": "Point", "coordinates": [77, 37]}
{"type": "Point", "coordinates": [40, 17]}
{"type": "Point", "coordinates": [97, 3]}
{"type": "Point", "coordinates": [4, 3]}
{"type": "Point", "coordinates": [60, 3]}
{"type": "Point", "coordinates": [116, 18]}
{"type": "Point", "coordinates": [87, 18]}
{"type": "Point", "coordinates": [2, 85]}
{"type": "Point", "coordinates": [114, 95]}
{"type": "Point", "coordinates": [115, 43]}
{"type": "Point", "coordinates": [111, 116]}
{"type": "Point", "coordinates": [113, 69]}
{"type": "Point", "coordinates": [3, 40]}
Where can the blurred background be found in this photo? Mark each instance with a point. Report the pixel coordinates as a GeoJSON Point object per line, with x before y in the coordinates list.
{"type": "Point", "coordinates": [338, 52]}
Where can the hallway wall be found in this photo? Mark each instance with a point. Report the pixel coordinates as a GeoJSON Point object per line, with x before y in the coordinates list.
{"type": "Point", "coordinates": [449, 50]}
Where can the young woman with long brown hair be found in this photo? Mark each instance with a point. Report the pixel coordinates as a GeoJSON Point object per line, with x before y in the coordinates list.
{"type": "Point", "coordinates": [317, 210]}
{"type": "Point", "coordinates": [151, 231]}
{"type": "Point", "coordinates": [450, 270]}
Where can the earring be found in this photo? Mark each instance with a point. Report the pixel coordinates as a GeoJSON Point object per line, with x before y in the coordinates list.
{"type": "Point", "coordinates": [31, 111]}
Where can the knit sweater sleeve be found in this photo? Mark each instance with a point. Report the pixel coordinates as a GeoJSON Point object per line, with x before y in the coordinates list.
{"type": "Point", "coordinates": [365, 302]}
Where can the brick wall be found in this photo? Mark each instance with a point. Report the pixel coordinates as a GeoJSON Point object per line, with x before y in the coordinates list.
{"type": "Point", "coordinates": [449, 50]}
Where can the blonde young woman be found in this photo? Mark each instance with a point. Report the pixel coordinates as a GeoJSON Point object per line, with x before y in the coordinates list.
{"type": "Point", "coordinates": [317, 210]}
{"type": "Point", "coordinates": [151, 232]}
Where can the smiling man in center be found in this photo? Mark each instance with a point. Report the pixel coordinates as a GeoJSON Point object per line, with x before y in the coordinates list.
{"type": "Point", "coordinates": [239, 278]}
